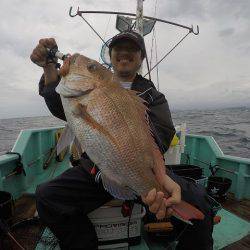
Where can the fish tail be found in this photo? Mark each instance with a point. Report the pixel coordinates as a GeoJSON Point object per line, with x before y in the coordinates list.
{"type": "Point", "coordinates": [187, 212]}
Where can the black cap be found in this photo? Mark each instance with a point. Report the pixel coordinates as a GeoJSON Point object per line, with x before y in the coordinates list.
{"type": "Point", "coordinates": [129, 35]}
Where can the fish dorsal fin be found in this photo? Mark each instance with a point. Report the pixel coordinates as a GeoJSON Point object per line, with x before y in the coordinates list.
{"type": "Point", "coordinates": [142, 112]}
{"type": "Point", "coordinates": [76, 148]}
{"type": "Point", "coordinates": [116, 189]}
{"type": "Point", "coordinates": [159, 164]}
{"type": "Point", "coordinates": [140, 102]}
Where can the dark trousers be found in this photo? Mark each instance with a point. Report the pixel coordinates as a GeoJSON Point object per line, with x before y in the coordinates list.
{"type": "Point", "coordinates": [199, 235]}
{"type": "Point", "coordinates": [64, 202]}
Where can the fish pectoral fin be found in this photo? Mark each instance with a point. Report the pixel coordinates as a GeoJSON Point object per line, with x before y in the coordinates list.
{"type": "Point", "coordinates": [81, 110]}
{"type": "Point", "coordinates": [77, 147]}
{"type": "Point", "coordinates": [116, 189]}
{"type": "Point", "coordinates": [65, 139]}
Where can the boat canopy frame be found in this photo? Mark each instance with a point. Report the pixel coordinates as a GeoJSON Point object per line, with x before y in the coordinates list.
{"type": "Point", "coordinates": [80, 12]}
{"type": "Point", "coordinates": [190, 30]}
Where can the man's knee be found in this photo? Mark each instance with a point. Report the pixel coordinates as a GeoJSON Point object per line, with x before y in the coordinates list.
{"type": "Point", "coordinates": [201, 230]}
{"type": "Point", "coordinates": [42, 192]}
{"type": "Point", "coordinates": [193, 193]}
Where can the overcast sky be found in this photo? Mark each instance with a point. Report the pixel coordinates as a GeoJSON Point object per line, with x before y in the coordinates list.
{"type": "Point", "coordinates": [207, 71]}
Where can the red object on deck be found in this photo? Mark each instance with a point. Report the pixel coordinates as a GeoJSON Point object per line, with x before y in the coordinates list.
{"type": "Point", "coordinates": [217, 219]}
{"type": "Point", "coordinates": [93, 171]}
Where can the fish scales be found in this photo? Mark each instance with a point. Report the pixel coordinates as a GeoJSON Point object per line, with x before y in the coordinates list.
{"type": "Point", "coordinates": [95, 144]}
{"type": "Point", "coordinates": [127, 136]}
{"type": "Point", "coordinates": [140, 155]}
{"type": "Point", "coordinates": [116, 111]}
{"type": "Point", "coordinates": [111, 125]}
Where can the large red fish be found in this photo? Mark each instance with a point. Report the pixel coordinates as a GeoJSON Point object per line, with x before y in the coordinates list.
{"type": "Point", "coordinates": [111, 125]}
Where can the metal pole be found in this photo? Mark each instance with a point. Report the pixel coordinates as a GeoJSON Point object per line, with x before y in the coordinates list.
{"type": "Point", "coordinates": [139, 22]}
{"type": "Point", "coordinates": [139, 17]}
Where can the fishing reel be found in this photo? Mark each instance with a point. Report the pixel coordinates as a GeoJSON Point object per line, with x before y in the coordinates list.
{"type": "Point", "coordinates": [54, 54]}
{"type": "Point", "coordinates": [51, 55]}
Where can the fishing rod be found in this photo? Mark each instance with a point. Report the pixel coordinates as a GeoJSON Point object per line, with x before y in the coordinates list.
{"type": "Point", "coordinates": [5, 230]}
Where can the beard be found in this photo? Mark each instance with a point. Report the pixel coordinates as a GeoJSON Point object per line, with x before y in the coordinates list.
{"type": "Point", "coordinates": [127, 73]}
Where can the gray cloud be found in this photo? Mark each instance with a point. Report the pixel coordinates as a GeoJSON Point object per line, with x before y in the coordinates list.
{"type": "Point", "coordinates": [219, 94]}
{"type": "Point", "coordinates": [229, 9]}
{"type": "Point", "coordinates": [226, 32]}
{"type": "Point", "coordinates": [209, 70]}
{"type": "Point", "coordinates": [179, 8]}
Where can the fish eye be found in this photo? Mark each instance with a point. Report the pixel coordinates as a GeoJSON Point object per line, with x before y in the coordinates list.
{"type": "Point", "coordinates": [91, 67]}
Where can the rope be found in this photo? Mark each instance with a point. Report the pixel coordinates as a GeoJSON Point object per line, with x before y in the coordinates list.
{"type": "Point", "coordinates": [178, 237]}
{"type": "Point", "coordinates": [153, 37]}
{"type": "Point", "coordinates": [93, 29]}
{"type": "Point", "coordinates": [156, 59]}
{"type": "Point", "coordinates": [153, 41]}
{"type": "Point", "coordinates": [167, 53]}
{"type": "Point", "coordinates": [148, 67]}
{"type": "Point", "coordinates": [204, 162]}
{"type": "Point", "coordinates": [151, 50]}
{"type": "Point", "coordinates": [128, 231]}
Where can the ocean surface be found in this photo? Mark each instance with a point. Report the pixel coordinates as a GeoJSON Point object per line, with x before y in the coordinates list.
{"type": "Point", "coordinates": [229, 127]}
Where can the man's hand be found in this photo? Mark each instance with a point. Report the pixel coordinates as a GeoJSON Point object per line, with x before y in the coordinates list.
{"type": "Point", "coordinates": [39, 54]}
{"type": "Point", "coordinates": [159, 203]}
{"type": "Point", "coordinates": [39, 57]}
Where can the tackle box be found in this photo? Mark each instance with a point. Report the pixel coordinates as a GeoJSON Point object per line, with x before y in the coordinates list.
{"type": "Point", "coordinates": [112, 228]}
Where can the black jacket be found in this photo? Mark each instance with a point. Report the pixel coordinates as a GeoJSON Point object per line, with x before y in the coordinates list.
{"type": "Point", "coordinates": [159, 113]}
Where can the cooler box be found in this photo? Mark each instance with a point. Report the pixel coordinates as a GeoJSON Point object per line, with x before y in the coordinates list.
{"type": "Point", "coordinates": [189, 172]}
{"type": "Point", "coordinates": [112, 228]}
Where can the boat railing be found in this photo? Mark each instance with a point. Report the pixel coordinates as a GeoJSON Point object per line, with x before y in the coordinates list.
{"type": "Point", "coordinates": [34, 147]}
{"type": "Point", "coordinates": [205, 152]}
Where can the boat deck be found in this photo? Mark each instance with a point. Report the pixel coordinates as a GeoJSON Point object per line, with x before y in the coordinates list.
{"type": "Point", "coordinates": [25, 207]}
{"type": "Point", "coordinates": [241, 209]}
{"type": "Point", "coordinates": [243, 244]}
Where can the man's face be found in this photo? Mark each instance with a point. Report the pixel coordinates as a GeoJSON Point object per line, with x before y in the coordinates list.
{"type": "Point", "coordinates": [126, 58]}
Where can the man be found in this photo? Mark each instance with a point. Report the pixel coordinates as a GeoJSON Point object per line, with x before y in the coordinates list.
{"type": "Point", "coordinates": [63, 203]}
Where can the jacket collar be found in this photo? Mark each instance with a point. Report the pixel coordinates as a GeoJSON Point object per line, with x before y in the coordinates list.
{"type": "Point", "coordinates": [140, 84]}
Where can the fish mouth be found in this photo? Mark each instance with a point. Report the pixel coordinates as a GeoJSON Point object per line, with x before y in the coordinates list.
{"type": "Point", "coordinates": [67, 92]}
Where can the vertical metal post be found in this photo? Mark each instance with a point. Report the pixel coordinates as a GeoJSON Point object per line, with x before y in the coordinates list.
{"type": "Point", "coordinates": [139, 21]}
{"type": "Point", "coordinates": [139, 17]}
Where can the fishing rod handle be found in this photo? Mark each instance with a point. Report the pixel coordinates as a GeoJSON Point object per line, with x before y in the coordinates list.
{"type": "Point", "coordinates": [55, 53]}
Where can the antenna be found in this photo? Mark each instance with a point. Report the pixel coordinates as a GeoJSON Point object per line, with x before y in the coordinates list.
{"type": "Point", "coordinates": [139, 23]}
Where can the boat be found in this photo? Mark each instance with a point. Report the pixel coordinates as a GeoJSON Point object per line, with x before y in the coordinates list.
{"type": "Point", "coordinates": [35, 148]}
{"type": "Point", "coordinates": [33, 160]}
